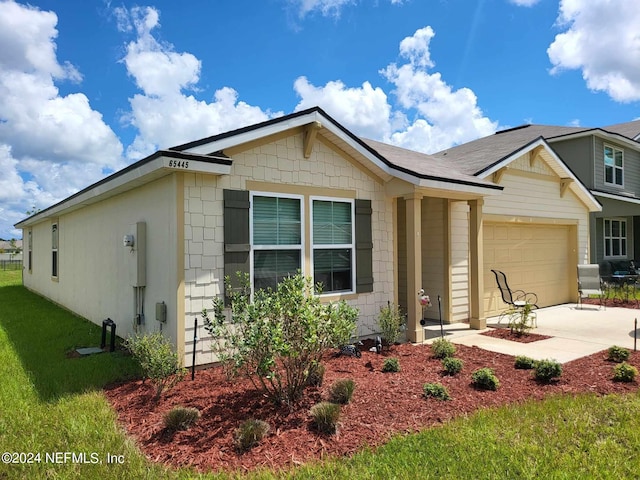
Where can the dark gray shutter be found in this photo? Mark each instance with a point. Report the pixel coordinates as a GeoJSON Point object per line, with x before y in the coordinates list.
{"type": "Point", "coordinates": [237, 244]}
{"type": "Point", "coordinates": [364, 247]}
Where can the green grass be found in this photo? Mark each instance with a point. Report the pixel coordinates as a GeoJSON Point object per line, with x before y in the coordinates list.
{"type": "Point", "coordinates": [50, 403]}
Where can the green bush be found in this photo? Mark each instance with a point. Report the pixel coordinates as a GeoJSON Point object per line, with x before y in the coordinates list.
{"type": "Point", "coordinates": [390, 322]}
{"type": "Point", "coordinates": [157, 359]}
{"type": "Point", "coordinates": [436, 390]}
{"type": "Point", "coordinates": [391, 365]}
{"type": "Point", "coordinates": [315, 377]}
{"type": "Point", "coordinates": [525, 363]}
{"type": "Point", "coordinates": [624, 372]}
{"type": "Point", "coordinates": [249, 433]}
{"type": "Point", "coordinates": [443, 348]}
{"type": "Point", "coordinates": [277, 337]}
{"type": "Point", "coordinates": [180, 418]}
{"type": "Point", "coordinates": [618, 354]}
{"type": "Point", "coordinates": [452, 365]}
{"type": "Point", "coordinates": [485, 379]}
{"type": "Point", "coordinates": [547, 370]}
{"type": "Point", "coordinates": [342, 391]}
{"type": "Point", "coordinates": [325, 416]}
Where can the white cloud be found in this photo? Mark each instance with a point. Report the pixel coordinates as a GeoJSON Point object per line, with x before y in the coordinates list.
{"type": "Point", "coordinates": [163, 113]}
{"type": "Point", "coordinates": [59, 144]}
{"type": "Point", "coordinates": [327, 8]}
{"type": "Point", "coordinates": [601, 39]}
{"type": "Point", "coordinates": [524, 3]}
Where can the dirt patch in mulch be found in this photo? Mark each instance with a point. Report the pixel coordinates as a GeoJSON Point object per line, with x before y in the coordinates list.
{"type": "Point", "coordinates": [506, 334]}
{"type": "Point", "coordinates": [383, 404]}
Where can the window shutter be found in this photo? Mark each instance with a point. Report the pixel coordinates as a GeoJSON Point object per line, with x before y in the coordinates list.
{"type": "Point", "coordinates": [237, 245]}
{"type": "Point", "coordinates": [364, 247]}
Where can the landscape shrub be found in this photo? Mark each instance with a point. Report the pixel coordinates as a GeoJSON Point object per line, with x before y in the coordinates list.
{"type": "Point", "coordinates": [525, 363]}
{"type": "Point", "coordinates": [624, 372]}
{"type": "Point", "coordinates": [180, 418]}
{"type": "Point", "coordinates": [547, 370]}
{"type": "Point", "coordinates": [485, 379]}
{"type": "Point", "coordinates": [315, 377]}
{"type": "Point", "coordinates": [342, 391]}
{"type": "Point", "coordinates": [452, 365]}
{"type": "Point", "coordinates": [249, 433]}
{"type": "Point", "coordinates": [618, 354]}
{"type": "Point", "coordinates": [325, 416]}
{"type": "Point", "coordinates": [436, 390]}
{"type": "Point", "coordinates": [443, 348]}
{"type": "Point", "coordinates": [157, 359]}
{"type": "Point", "coordinates": [391, 365]}
{"type": "Point", "coordinates": [276, 339]}
{"type": "Point", "coordinates": [391, 323]}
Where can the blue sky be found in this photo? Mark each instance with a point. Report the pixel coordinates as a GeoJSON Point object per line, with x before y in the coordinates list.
{"type": "Point", "coordinates": [88, 87]}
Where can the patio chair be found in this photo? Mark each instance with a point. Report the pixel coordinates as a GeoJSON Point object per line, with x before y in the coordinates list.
{"type": "Point", "coordinates": [590, 283]}
{"type": "Point", "coordinates": [516, 299]}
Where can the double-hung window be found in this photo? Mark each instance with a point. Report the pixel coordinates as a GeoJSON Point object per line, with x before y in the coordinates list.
{"type": "Point", "coordinates": [613, 166]}
{"type": "Point", "coordinates": [276, 238]}
{"type": "Point", "coordinates": [30, 249]}
{"type": "Point", "coordinates": [54, 250]}
{"type": "Point", "coordinates": [615, 238]}
{"type": "Point", "coordinates": [333, 244]}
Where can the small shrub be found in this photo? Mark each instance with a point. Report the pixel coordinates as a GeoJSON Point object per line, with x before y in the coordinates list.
{"type": "Point", "coordinates": [452, 365]}
{"type": "Point", "coordinates": [391, 365]}
{"type": "Point", "coordinates": [249, 433]}
{"type": "Point", "coordinates": [618, 354]}
{"type": "Point", "coordinates": [325, 416]}
{"type": "Point", "coordinates": [624, 372]}
{"type": "Point", "coordinates": [436, 390]}
{"type": "Point", "coordinates": [180, 418]}
{"type": "Point", "coordinates": [443, 348]}
{"type": "Point", "coordinates": [315, 376]}
{"type": "Point", "coordinates": [391, 323]}
{"type": "Point", "coordinates": [342, 391]}
{"type": "Point", "coordinates": [525, 363]}
{"type": "Point", "coordinates": [485, 379]}
{"type": "Point", "coordinates": [158, 360]}
{"type": "Point", "coordinates": [547, 370]}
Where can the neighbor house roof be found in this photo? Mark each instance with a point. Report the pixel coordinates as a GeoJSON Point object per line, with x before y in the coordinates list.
{"type": "Point", "coordinates": [628, 129]}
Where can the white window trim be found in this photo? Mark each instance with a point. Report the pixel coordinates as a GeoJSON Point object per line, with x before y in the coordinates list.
{"type": "Point", "coordinates": [604, 164]}
{"type": "Point", "coordinates": [351, 245]}
{"type": "Point", "coordinates": [300, 247]}
{"type": "Point", "coordinates": [605, 236]}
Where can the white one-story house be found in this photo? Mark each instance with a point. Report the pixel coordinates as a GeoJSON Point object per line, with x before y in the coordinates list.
{"type": "Point", "coordinates": [149, 246]}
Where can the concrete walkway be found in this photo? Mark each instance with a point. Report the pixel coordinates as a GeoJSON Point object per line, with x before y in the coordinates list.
{"type": "Point", "coordinates": [576, 333]}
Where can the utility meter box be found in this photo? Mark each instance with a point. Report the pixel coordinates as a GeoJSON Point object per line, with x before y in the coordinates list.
{"type": "Point", "coordinates": [161, 312]}
{"type": "Point", "coordinates": [137, 254]}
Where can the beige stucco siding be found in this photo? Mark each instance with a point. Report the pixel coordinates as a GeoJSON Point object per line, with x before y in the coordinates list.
{"type": "Point", "coordinates": [279, 167]}
{"type": "Point", "coordinates": [459, 263]}
{"type": "Point", "coordinates": [94, 266]}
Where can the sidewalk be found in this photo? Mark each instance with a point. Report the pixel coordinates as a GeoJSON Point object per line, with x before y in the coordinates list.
{"type": "Point", "coordinates": [576, 333]}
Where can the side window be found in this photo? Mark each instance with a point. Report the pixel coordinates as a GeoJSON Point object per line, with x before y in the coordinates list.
{"type": "Point", "coordinates": [276, 238]}
{"type": "Point", "coordinates": [333, 244]}
{"type": "Point", "coordinates": [30, 250]}
{"type": "Point", "coordinates": [613, 166]}
{"type": "Point", "coordinates": [54, 250]}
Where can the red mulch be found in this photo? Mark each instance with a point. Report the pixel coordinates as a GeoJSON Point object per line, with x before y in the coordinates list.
{"type": "Point", "coordinates": [383, 404]}
{"type": "Point", "coordinates": [505, 334]}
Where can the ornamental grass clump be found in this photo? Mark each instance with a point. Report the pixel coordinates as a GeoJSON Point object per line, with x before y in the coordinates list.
{"type": "Point", "coordinates": [315, 375]}
{"type": "Point", "coordinates": [325, 416]}
{"type": "Point", "coordinates": [624, 372]}
{"type": "Point", "coordinates": [391, 365]}
{"type": "Point", "coordinates": [391, 323]}
{"type": "Point", "coordinates": [249, 434]}
{"type": "Point", "coordinates": [452, 365]}
{"type": "Point", "coordinates": [180, 418]}
{"type": "Point", "coordinates": [436, 390]}
{"type": "Point", "coordinates": [547, 370]}
{"type": "Point", "coordinates": [443, 348]}
{"type": "Point", "coordinates": [485, 379]}
{"type": "Point", "coordinates": [618, 354]}
{"type": "Point", "coordinates": [342, 391]}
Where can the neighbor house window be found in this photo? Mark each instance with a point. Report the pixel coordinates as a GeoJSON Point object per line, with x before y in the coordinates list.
{"type": "Point", "coordinates": [613, 165]}
{"type": "Point", "coordinates": [615, 238]}
{"type": "Point", "coordinates": [276, 236]}
{"type": "Point", "coordinates": [30, 249]}
{"type": "Point", "coordinates": [54, 250]}
{"type": "Point", "coordinates": [333, 244]}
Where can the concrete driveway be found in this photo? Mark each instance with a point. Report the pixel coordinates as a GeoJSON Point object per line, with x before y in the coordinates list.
{"type": "Point", "coordinates": [575, 333]}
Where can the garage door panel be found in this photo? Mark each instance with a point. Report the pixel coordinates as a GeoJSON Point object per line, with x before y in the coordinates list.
{"type": "Point", "coordinates": [535, 259]}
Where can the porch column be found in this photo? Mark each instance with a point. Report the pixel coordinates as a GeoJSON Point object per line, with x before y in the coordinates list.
{"type": "Point", "coordinates": [476, 266]}
{"type": "Point", "coordinates": [414, 266]}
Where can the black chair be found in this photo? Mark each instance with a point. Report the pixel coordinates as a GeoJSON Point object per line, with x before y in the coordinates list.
{"type": "Point", "coordinates": [514, 298]}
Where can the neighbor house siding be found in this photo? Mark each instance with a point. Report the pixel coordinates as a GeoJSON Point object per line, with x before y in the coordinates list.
{"type": "Point", "coordinates": [577, 153]}
{"type": "Point", "coordinates": [280, 167]}
{"type": "Point", "coordinates": [631, 169]}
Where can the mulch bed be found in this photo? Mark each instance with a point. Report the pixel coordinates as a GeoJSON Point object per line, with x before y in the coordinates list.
{"type": "Point", "coordinates": [383, 404]}
{"type": "Point", "coordinates": [505, 334]}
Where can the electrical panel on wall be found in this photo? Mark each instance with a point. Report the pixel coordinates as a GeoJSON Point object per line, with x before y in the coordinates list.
{"type": "Point", "coordinates": [137, 254]}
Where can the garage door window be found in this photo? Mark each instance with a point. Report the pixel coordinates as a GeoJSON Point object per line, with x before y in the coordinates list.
{"type": "Point", "coordinates": [615, 238]}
